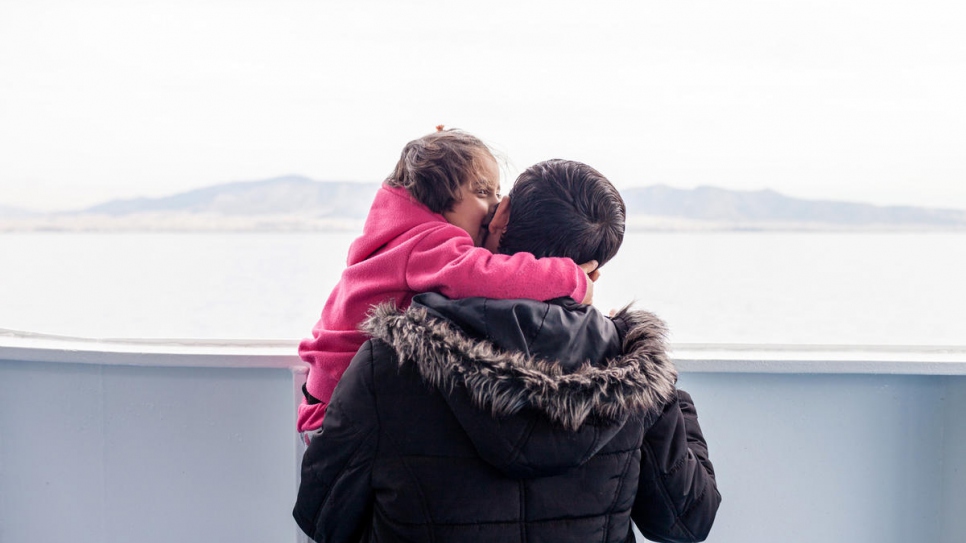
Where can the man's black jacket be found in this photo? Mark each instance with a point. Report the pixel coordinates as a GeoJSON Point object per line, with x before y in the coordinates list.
{"type": "Point", "coordinates": [484, 420]}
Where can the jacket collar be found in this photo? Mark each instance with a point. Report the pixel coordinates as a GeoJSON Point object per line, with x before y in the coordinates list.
{"type": "Point", "coordinates": [502, 382]}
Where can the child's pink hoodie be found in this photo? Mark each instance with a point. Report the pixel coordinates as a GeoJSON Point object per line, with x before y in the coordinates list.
{"type": "Point", "coordinates": [406, 249]}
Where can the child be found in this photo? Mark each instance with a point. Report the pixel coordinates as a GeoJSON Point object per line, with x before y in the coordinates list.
{"type": "Point", "coordinates": [424, 233]}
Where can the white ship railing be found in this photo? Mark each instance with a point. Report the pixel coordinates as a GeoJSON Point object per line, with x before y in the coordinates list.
{"type": "Point", "coordinates": [186, 440]}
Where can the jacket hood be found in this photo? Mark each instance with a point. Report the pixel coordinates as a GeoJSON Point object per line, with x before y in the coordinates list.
{"type": "Point", "coordinates": [393, 212]}
{"type": "Point", "coordinates": [539, 387]}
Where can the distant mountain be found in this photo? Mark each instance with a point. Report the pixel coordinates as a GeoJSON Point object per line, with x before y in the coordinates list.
{"type": "Point", "coordinates": [291, 194]}
{"type": "Point", "coordinates": [768, 206]}
{"type": "Point", "coordinates": [9, 212]}
{"type": "Point", "coordinates": [297, 203]}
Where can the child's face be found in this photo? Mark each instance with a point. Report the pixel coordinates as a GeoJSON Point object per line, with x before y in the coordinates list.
{"type": "Point", "coordinates": [478, 197]}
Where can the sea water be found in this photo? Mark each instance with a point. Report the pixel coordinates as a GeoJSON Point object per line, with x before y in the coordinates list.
{"type": "Point", "coordinates": [722, 287]}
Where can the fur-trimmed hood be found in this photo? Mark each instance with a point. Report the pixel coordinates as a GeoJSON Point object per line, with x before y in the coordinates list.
{"type": "Point", "coordinates": [501, 362]}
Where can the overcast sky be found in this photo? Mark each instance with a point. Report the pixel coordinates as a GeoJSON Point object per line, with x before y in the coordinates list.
{"type": "Point", "coordinates": [859, 100]}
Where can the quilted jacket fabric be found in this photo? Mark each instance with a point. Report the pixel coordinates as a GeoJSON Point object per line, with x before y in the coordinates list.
{"type": "Point", "coordinates": [512, 421]}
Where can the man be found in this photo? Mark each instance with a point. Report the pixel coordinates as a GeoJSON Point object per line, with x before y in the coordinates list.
{"type": "Point", "coordinates": [514, 420]}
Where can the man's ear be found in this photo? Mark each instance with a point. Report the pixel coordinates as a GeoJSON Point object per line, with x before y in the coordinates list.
{"type": "Point", "coordinates": [494, 230]}
{"type": "Point", "coordinates": [501, 217]}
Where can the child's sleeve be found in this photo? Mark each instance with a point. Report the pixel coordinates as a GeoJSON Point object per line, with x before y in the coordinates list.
{"type": "Point", "coordinates": [452, 266]}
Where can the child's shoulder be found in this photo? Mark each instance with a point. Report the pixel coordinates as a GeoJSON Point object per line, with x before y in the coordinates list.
{"type": "Point", "coordinates": [441, 232]}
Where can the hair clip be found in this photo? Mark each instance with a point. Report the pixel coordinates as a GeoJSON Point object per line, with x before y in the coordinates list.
{"type": "Point", "coordinates": [439, 128]}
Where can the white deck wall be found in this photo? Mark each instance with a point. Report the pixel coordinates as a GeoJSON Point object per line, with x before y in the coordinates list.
{"type": "Point", "coordinates": [170, 443]}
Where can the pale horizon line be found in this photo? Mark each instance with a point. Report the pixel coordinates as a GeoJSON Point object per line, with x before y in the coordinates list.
{"type": "Point", "coordinates": [54, 211]}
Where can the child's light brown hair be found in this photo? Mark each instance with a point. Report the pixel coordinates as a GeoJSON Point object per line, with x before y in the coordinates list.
{"type": "Point", "coordinates": [433, 167]}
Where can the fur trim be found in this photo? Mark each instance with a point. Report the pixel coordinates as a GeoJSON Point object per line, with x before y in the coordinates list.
{"type": "Point", "coordinates": [505, 382]}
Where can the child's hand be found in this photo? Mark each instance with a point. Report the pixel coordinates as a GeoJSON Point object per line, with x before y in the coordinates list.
{"type": "Point", "coordinates": [590, 269]}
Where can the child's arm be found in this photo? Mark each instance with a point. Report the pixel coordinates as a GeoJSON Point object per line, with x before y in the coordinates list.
{"type": "Point", "coordinates": [452, 266]}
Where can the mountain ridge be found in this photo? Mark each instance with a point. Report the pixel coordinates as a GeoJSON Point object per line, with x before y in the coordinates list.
{"type": "Point", "coordinates": [277, 195]}
{"type": "Point", "coordinates": [716, 204]}
{"type": "Point", "coordinates": [296, 202]}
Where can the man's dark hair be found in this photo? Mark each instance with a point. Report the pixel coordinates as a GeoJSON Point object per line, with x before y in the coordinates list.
{"type": "Point", "coordinates": [433, 167]}
{"type": "Point", "coordinates": [564, 208]}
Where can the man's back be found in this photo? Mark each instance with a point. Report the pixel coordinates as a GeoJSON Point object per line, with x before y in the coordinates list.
{"type": "Point", "coordinates": [441, 450]}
